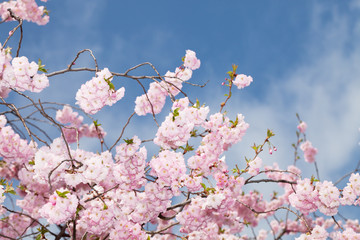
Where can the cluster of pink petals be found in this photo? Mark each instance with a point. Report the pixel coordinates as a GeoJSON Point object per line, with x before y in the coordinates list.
{"type": "Point", "coordinates": [154, 100]}
{"type": "Point", "coordinates": [154, 200]}
{"type": "Point", "coordinates": [25, 9]}
{"type": "Point", "coordinates": [13, 149]}
{"type": "Point", "coordinates": [222, 134]}
{"type": "Point", "coordinates": [97, 167]}
{"type": "Point", "coordinates": [191, 61]}
{"type": "Point", "coordinates": [348, 234]}
{"type": "Point", "coordinates": [242, 81]}
{"type": "Point", "coordinates": [48, 158]}
{"type": "Point", "coordinates": [59, 209]}
{"type": "Point", "coordinates": [175, 130]}
{"type": "Point", "coordinates": [14, 224]}
{"type": "Point", "coordinates": [305, 197]}
{"type": "Point", "coordinates": [130, 164]}
{"type": "Point", "coordinates": [20, 74]}
{"type": "Point", "coordinates": [351, 191]}
{"type": "Point", "coordinates": [308, 198]}
{"type": "Point", "coordinates": [329, 200]}
{"type": "Point", "coordinates": [5, 62]}
{"type": "Point", "coordinates": [96, 218]}
{"type": "Point", "coordinates": [32, 202]}
{"type": "Point", "coordinates": [96, 93]}
{"type": "Point", "coordinates": [125, 230]}
{"type": "Point", "coordinates": [169, 167]}
{"type": "Point", "coordinates": [318, 233]}
{"type": "Point", "coordinates": [309, 151]}
{"type": "Point", "coordinates": [302, 127]}
{"type": "Point", "coordinates": [193, 217]}
{"type": "Point", "coordinates": [75, 129]}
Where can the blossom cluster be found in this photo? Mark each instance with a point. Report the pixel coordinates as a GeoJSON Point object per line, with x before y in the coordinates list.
{"type": "Point", "coordinates": [176, 129]}
{"type": "Point", "coordinates": [309, 151]}
{"type": "Point", "coordinates": [25, 9]}
{"type": "Point", "coordinates": [222, 134]}
{"type": "Point", "coordinates": [242, 81]}
{"type": "Point", "coordinates": [154, 100]}
{"type": "Point", "coordinates": [130, 164]}
{"type": "Point", "coordinates": [75, 129]}
{"type": "Point", "coordinates": [20, 74]}
{"type": "Point", "coordinates": [14, 150]}
{"type": "Point", "coordinates": [61, 207]}
{"type": "Point", "coordinates": [98, 92]}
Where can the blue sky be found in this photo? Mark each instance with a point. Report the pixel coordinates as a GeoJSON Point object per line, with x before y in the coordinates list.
{"type": "Point", "coordinates": [304, 57]}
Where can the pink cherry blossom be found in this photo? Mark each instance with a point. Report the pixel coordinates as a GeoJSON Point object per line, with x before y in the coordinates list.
{"type": "Point", "coordinates": [302, 127]}
{"type": "Point", "coordinates": [190, 60]}
{"type": "Point", "coordinates": [309, 151]}
{"type": "Point", "coordinates": [242, 81]}
{"type": "Point", "coordinates": [96, 93]}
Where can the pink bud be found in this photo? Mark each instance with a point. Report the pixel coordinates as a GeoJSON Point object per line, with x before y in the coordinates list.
{"type": "Point", "coordinates": [270, 151]}
{"type": "Point", "coordinates": [275, 149]}
{"type": "Point", "coordinates": [223, 83]}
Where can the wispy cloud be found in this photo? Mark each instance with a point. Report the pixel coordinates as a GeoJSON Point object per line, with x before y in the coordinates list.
{"type": "Point", "coordinates": [324, 90]}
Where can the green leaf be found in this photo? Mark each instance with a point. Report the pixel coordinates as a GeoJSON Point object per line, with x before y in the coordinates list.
{"type": "Point", "coordinates": [9, 189]}
{"type": "Point", "coordinates": [255, 147]}
{"type": "Point", "coordinates": [203, 185]}
{"type": "Point", "coordinates": [105, 206]}
{"type": "Point", "coordinates": [189, 148]}
{"type": "Point", "coordinates": [41, 67]}
{"type": "Point", "coordinates": [193, 133]}
{"type": "Point", "coordinates": [234, 67]}
{"type": "Point", "coordinates": [313, 179]}
{"type": "Point", "coordinates": [46, 12]}
{"type": "Point", "coordinates": [8, 50]}
{"type": "Point", "coordinates": [111, 85]}
{"type": "Point", "coordinates": [175, 113]}
{"type": "Point", "coordinates": [96, 123]}
{"type": "Point", "coordinates": [148, 238]}
{"type": "Point", "coordinates": [11, 192]}
{"type": "Point", "coordinates": [197, 105]}
{"type": "Point", "coordinates": [129, 141]}
{"type": "Point", "coordinates": [270, 133]}
{"type": "Point", "coordinates": [38, 237]}
{"type": "Point", "coordinates": [32, 162]}
{"type": "Point", "coordinates": [62, 194]}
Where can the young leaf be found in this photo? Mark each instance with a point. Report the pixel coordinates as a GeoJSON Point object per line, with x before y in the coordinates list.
{"type": "Point", "coordinates": [96, 123]}
{"type": "Point", "coordinates": [270, 133]}
{"type": "Point", "coordinates": [62, 194]}
{"type": "Point", "coordinates": [129, 141]}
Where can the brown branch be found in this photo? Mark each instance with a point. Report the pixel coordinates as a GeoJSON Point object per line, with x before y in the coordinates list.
{"type": "Point", "coordinates": [14, 30]}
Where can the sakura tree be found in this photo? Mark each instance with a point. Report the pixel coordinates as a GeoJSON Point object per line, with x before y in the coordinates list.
{"type": "Point", "coordinates": [184, 191]}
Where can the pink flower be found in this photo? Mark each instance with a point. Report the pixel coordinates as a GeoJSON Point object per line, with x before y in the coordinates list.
{"type": "Point", "coordinates": [191, 61]}
{"type": "Point", "coordinates": [309, 151]}
{"type": "Point", "coordinates": [242, 81]}
{"type": "Point", "coordinates": [96, 93]}
{"type": "Point", "coordinates": [302, 127]}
